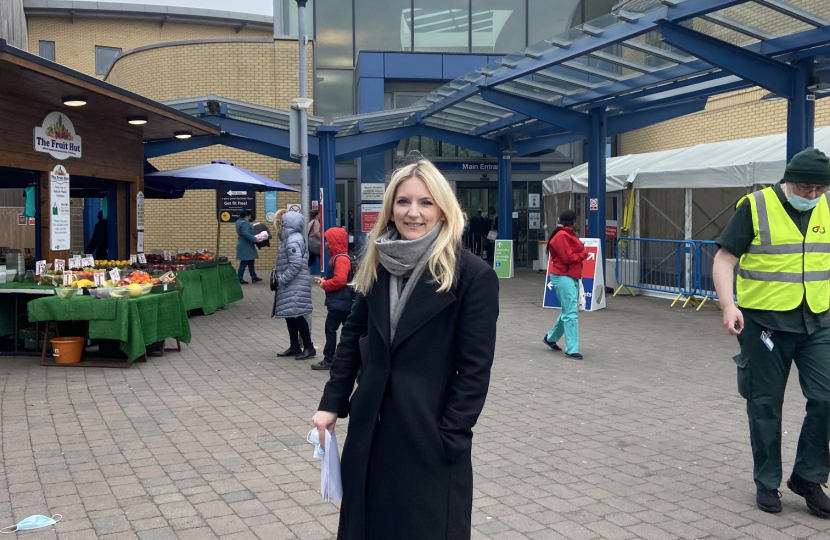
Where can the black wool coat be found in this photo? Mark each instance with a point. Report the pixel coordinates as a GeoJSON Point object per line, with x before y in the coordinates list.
{"type": "Point", "coordinates": [406, 464]}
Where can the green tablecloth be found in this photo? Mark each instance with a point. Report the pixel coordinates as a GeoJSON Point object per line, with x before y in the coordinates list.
{"type": "Point", "coordinates": [24, 285]}
{"type": "Point", "coordinates": [211, 288]}
{"type": "Point", "coordinates": [213, 296]}
{"type": "Point", "coordinates": [136, 322]}
{"type": "Point", "coordinates": [230, 283]}
{"type": "Point", "coordinates": [79, 308]}
{"type": "Point", "coordinates": [7, 303]}
{"type": "Point", "coordinates": [191, 282]}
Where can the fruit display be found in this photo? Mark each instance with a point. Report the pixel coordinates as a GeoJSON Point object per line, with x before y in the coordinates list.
{"type": "Point", "coordinates": [102, 263]}
{"type": "Point", "coordinates": [193, 257]}
{"type": "Point", "coordinates": [134, 282]}
{"type": "Point", "coordinates": [65, 293]}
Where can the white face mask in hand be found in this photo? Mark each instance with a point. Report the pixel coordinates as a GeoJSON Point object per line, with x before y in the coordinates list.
{"type": "Point", "coordinates": [314, 438]}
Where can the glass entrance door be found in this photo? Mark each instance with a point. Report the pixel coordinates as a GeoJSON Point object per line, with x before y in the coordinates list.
{"type": "Point", "coordinates": [473, 198]}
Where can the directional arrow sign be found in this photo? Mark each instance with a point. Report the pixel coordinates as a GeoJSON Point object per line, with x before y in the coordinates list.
{"type": "Point", "coordinates": [230, 204]}
{"type": "Point", "coordinates": [592, 256]}
{"type": "Point", "coordinates": [550, 286]}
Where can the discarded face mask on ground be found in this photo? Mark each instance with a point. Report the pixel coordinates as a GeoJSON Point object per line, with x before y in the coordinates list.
{"type": "Point", "coordinates": [32, 522]}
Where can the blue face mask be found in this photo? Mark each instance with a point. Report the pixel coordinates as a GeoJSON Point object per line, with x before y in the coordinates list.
{"type": "Point", "coordinates": [314, 438]}
{"type": "Point", "coordinates": [803, 204]}
{"type": "Point", "coordinates": [32, 522]}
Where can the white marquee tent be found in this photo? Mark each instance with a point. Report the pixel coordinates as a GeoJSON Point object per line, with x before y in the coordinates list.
{"type": "Point", "coordinates": [740, 163]}
{"type": "Point", "coordinates": [681, 194]}
{"type": "Point", "coordinates": [691, 189]}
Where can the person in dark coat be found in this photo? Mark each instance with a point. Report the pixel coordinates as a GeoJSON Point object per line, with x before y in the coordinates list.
{"type": "Point", "coordinates": [422, 333]}
{"type": "Point", "coordinates": [246, 247]}
{"type": "Point", "coordinates": [99, 242]}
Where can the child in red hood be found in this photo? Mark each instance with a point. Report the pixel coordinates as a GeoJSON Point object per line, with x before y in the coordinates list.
{"type": "Point", "coordinates": [339, 296]}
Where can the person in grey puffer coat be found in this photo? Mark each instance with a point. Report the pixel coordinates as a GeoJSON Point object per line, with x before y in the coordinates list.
{"type": "Point", "coordinates": [292, 301]}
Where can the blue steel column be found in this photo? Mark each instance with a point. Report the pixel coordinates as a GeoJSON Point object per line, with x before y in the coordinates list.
{"type": "Point", "coordinates": [505, 205]}
{"type": "Point", "coordinates": [596, 178]}
{"type": "Point", "coordinates": [326, 135]}
{"type": "Point", "coordinates": [800, 112]}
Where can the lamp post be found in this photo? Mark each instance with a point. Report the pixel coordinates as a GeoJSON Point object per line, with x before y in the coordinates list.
{"type": "Point", "coordinates": [303, 103]}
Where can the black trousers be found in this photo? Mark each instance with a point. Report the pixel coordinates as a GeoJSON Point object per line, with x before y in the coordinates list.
{"type": "Point", "coordinates": [297, 329]}
{"type": "Point", "coordinates": [762, 379]}
{"type": "Point", "coordinates": [334, 320]}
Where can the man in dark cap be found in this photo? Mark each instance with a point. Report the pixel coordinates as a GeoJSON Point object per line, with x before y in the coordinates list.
{"type": "Point", "coordinates": [781, 235]}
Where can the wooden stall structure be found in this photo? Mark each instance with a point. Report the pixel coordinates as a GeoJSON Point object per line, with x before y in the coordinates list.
{"type": "Point", "coordinates": [57, 121]}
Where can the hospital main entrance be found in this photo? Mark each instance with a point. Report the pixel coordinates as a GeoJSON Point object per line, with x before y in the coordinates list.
{"type": "Point", "coordinates": [527, 217]}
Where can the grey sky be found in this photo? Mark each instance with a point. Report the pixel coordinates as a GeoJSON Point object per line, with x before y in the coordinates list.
{"type": "Point", "coordinates": [260, 7]}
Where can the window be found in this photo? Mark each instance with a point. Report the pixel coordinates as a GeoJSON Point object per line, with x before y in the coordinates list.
{"type": "Point", "coordinates": [46, 49]}
{"type": "Point", "coordinates": [333, 46]}
{"type": "Point", "coordinates": [334, 92]}
{"type": "Point", "coordinates": [104, 57]}
{"type": "Point", "coordinates": [382, 25]}
{"type": "Point", "coordinates": [547, 18]}
{"type": "Point", "coordinates": [498, 26]}
{"type": "Point", "coordinates": [441, 25]}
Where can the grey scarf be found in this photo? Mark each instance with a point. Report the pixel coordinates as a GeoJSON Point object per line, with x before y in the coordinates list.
{"type": "Point", "coordinates": [399, 257]}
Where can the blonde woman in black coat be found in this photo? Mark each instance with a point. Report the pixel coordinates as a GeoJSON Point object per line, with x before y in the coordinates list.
{"type": "Point", "coordinates": [423, 332]}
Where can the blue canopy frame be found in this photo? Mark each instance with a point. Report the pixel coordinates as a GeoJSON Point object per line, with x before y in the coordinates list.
{"type": "Point", "coordinates": [621, 72]}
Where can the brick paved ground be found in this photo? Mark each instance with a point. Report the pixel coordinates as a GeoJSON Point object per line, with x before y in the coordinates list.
{"type": "Point", "coordinates": [645, 438]}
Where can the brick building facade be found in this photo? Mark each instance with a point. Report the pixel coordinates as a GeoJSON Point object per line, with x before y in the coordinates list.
{"type": "Point", "coordinates": [174, 60]}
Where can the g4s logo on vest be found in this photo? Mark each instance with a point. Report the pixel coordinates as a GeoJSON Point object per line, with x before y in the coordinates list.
{"type": "Point", "coordinates": [819, 229]}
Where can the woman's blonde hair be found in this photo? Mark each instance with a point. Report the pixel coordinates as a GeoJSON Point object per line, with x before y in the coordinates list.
{"type": "Point", "coordinates": [443, 258]}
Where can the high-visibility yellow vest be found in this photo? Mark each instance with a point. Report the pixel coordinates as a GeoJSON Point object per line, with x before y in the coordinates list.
{"type": "Point", "coordinates": [782, 266]}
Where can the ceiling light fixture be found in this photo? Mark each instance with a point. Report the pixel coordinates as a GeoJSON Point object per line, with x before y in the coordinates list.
{"type": "Point", "coordinates": [74, 101]}
{"type": "Point", "coordinates": [183, 134]}
{"type": "Point", "coordinates": [771, 96]}
{"type": "Point", "coordinates": [819, 88]}
{"type": "Point", "coordinates": [137, 120]}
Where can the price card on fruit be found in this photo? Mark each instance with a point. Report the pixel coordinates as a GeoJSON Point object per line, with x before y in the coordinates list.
{"type": "Point", "coordinates": [142, 259]}
{"type": "Point", "coordinates": [88, 261]}
{"type": "Point", "coordinates": [100, 279]}
{"type": "Point", "coordinates": [68, 278]}
{"type": "Point", "coordinates": [115, 276]}
{"type": "Point", "coordinates": [40, 267]}
{"type": "Point", "coordinates": [74, 262]}
{"type": "Point", "coordinates": [60, 264]}
{"type": "Point", "coordinates": [133, 259]}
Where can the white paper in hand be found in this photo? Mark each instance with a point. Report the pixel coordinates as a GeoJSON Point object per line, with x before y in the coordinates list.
{"type": "Point", "coordinates": [330, 484]}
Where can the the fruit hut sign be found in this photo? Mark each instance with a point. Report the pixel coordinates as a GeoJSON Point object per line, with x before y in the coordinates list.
{"type": "Point", "coordinates": [57, 137]}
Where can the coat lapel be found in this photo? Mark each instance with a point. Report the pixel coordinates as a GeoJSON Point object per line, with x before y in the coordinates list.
{"type": "Point", "coordinates": [424, 303]}
{"type": "Point", "coordinates": [378, 301]}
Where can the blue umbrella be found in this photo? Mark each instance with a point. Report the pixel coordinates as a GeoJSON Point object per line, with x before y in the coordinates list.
{"type": "Point", "coordinates": [218, 175]}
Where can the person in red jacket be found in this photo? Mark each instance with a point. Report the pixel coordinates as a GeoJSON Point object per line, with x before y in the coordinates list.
{"type": "Point", "coordinates": [339, 296]}
{"type": "Point", "coordinates": [566, 256]}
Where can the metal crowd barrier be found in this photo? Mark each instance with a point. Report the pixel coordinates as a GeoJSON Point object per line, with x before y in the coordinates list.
{"type": "Point", "coordinates": [679, 267]}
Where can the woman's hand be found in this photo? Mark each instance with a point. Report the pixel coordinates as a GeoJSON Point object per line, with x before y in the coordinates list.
{"type": "Point", "coordinates": [324, 421]}
{"type": "Point", "coordinates": [318, 281]}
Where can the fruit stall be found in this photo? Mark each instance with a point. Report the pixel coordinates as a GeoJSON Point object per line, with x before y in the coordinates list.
{"type": "Point", "coordinates": [87, 289]}
{"type": "Point", "coordinates": [69, 140]}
